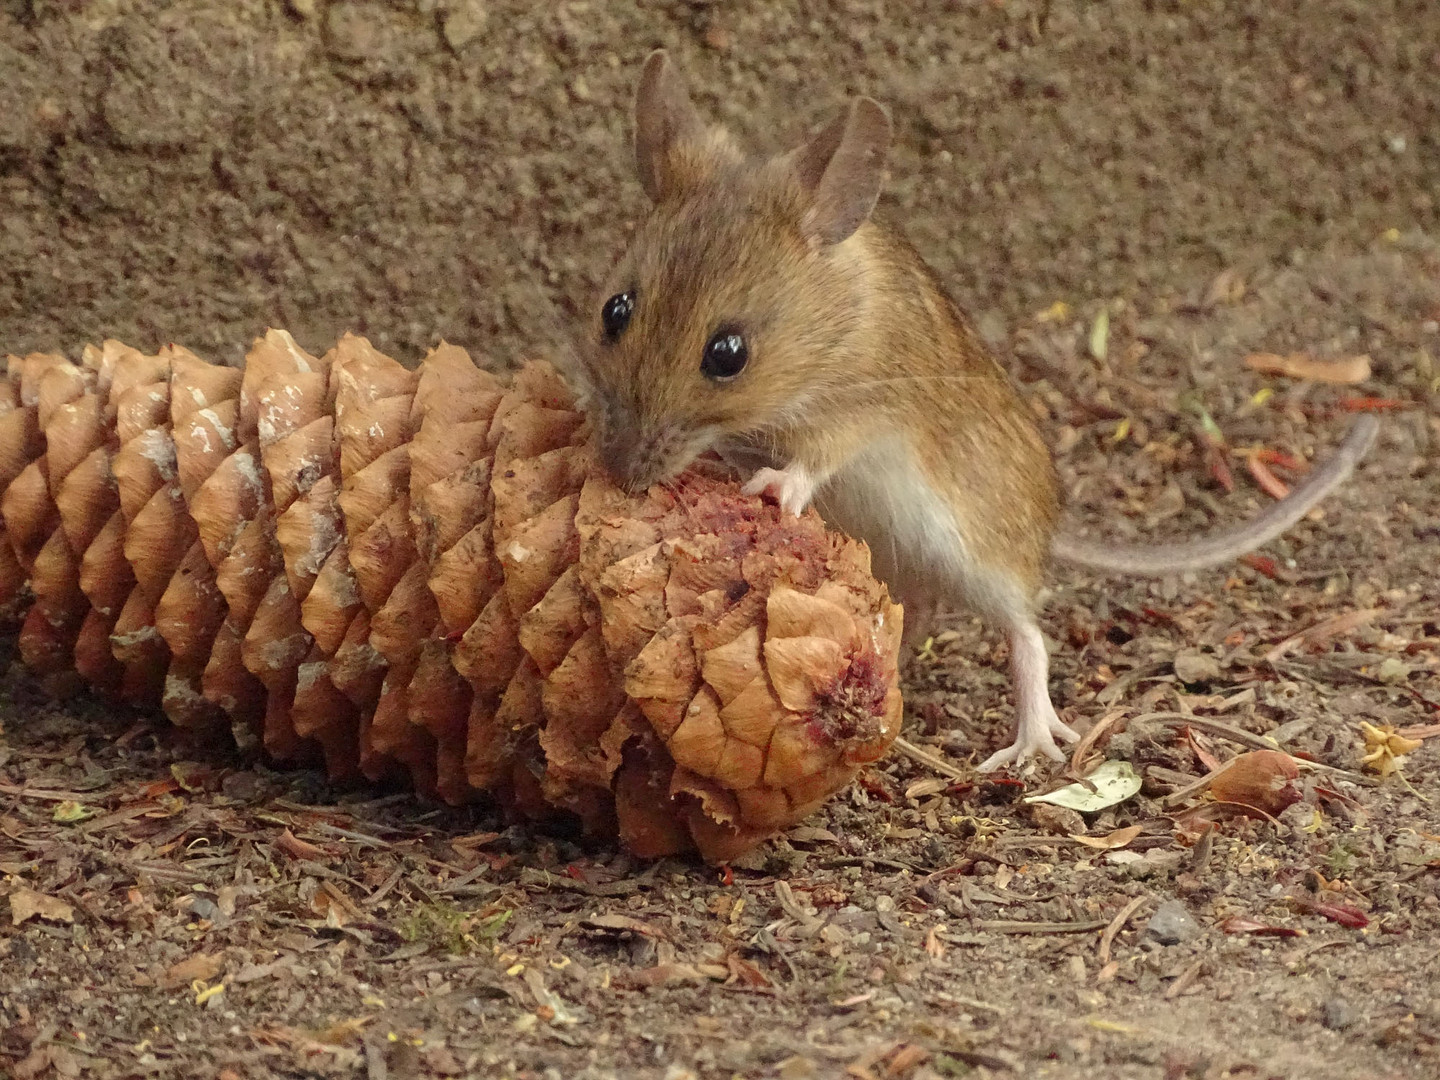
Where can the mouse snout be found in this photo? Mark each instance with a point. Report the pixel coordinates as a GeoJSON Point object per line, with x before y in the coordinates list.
{"type": "Point", "coordinates": [621, 456]}
{"type": "Point", "coordinates": [627, 455]}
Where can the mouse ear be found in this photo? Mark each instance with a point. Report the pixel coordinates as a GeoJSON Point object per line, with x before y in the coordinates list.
{"type": "Point", "coordinates": [667, 127]}
{"type": "Point", "coordinates": [843, 168]}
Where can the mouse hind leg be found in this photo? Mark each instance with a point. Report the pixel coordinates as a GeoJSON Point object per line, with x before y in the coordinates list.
{"type": "Point", "coordinates": [1036, 724]}
{"type": "Point", "coordinates": [1003, 601]}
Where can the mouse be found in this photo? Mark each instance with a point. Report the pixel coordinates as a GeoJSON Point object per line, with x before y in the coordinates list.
{"type": "Point", "coordinates": [761, 313]}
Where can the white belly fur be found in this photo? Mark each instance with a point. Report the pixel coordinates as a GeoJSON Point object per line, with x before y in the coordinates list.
{"type": "Point", "coordinates": [917, 543]}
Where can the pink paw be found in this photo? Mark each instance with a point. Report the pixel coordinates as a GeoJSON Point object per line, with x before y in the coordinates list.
{"type": "Point", "coordinates": [791, 487]}
{"type": "Point", "coordinates": [1036, 736]}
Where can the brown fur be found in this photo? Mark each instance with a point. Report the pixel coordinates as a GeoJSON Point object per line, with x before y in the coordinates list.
{"type": "Point", "coordinates": [867, 389]}
{"type": "Point", "coordinates": [849, 342]}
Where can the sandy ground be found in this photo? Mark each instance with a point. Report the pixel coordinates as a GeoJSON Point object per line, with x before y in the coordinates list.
{"type": "Point", "coordinates": [1222, 178]}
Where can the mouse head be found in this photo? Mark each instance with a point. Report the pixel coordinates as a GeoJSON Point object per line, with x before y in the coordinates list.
{"type": "Point", "coordinates": [728, 318]}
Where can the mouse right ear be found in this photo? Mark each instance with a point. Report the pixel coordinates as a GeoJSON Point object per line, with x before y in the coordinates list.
{"type": "Point", "coordinates": [668, 129]}
{"type": "Point", "coordinates": [843, 168]}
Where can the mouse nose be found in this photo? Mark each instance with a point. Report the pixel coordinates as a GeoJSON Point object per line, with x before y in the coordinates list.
{"type": "Point", "coordinates": [620, 453]}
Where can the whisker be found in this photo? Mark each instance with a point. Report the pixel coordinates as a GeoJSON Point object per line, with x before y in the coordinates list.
{"type": "Point", "coordinates": [677, 489]}
{"type": "Point", "coordinates": [897, 379]}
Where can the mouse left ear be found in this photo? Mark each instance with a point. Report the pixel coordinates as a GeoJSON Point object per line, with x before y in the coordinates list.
{"type": "Point", "coordinates": [667, 127]}
{"type": "Point", "coordinates": [843, 169]}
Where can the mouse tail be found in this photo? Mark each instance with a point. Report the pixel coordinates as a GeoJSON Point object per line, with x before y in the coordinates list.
{"type": "Point", "coordinates": [1155, 560]}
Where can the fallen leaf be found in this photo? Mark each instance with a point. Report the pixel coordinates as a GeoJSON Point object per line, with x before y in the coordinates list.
{"type": "Point", "coordinates": [930, 785]}
{"type": "Point", "coordinates": [327, 907]}
{"type": "Point", "coordinates": [1344, 914]}
{"type": "Point", "coordinates": [27, 904]}
{"type": "Point", "coordinates": [743, 971]}
{"type": "Point", "coordinates": [1117, 839]}
{"type": "Point", "coordinates": [192, 776]}
{"type": "Point", "coordinates": [202, 967]}
{"type": "Point", "coordinates": [906, 1058]}
{"type": "Point", "coordinates": [1204, 751]}
{"type": "Point", "coordinates": [1264, 564]}
{"type": "Point", "coordinates": [1113, 782]}
{"type": "Point", "coordinates": [301, 849]}
{"type": "Point", "coordinates": [665, 974]}
{"type": "Point", "coordinates": [69, 812]}
{"type": "Point", "coordinates": [813, 834]}
{"type": "Point", "coordinates": [1352, 369]}
{"type": "Point", "coordinates": [342, 1031]}
{"type": "Point", "coordinates": [1263, 779]}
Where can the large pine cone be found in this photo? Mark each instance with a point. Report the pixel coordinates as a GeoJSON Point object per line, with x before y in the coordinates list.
{"type": "Point", "coordinates": [425, 570]}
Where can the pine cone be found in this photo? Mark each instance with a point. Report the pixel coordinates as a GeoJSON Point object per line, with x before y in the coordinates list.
{"type": "Point", "coordinates": [342, 560]}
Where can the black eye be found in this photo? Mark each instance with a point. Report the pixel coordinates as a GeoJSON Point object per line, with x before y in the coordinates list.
{"type": "Point", "coordinates": [726, 355]}
{"type": "Point", "coordinates": [615, 315]}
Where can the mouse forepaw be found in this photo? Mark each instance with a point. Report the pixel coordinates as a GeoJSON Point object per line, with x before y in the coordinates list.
{"type": "Point", "coordinates": [792, 487]}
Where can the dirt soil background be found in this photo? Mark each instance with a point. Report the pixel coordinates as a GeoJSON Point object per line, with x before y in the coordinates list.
{"type": "Point", "coordinates": [1220, 178]}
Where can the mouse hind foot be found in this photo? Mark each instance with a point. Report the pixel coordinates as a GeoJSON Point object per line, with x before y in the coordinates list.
{"type": "Point", "coordinates": [1036, 724]}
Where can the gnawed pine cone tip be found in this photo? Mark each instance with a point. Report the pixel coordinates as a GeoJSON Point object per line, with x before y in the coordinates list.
{"type": "Point", "coordinates": [425, 571]}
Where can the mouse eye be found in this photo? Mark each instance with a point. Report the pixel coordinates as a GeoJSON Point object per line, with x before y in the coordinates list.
{"type": "Point", "coordinates": [725, 357]}
{"type": "Point", "coordinates": [615, 315]}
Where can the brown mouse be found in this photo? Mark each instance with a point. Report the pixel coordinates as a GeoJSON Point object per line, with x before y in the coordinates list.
{"type": "Point", "coordinates": [760, 312]}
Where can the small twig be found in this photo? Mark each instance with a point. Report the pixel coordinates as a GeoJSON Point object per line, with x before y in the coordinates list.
{"type": "Point", "coordinates": [531, 878]}
{"type": "Point", "coordinates": [379, 894]}
{"type": "Point", "coordinates": [1212, 727]}
{"type": "Point", "coordinates": [1019, 926]}
{"type": "Point", "coordinates": [869, 860]}
{"type": "Point", "coordinates": [1116, 925]}
{"type": "Point", "coordinates": [1200, 853]}
{"type": "Point", "coordinates": [464, 879]}
{"type": "Point", "coordinates": [50, 794]}
{"type": "Point", "coordinates": [349, 834]}
{"type": "Point", "coordinates": [1185, 981]}
{"type": "Point", "coordinates": [1324, 630]}
{"type": "Point", "coordinates": [1244, 738]}
{"type": "Point", "coordinates": [933, 761]}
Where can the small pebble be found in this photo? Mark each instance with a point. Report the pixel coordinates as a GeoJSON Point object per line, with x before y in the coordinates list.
{"type": "Point", "coordinates": [1194, 666]}
{"type": "Point", "coordinates": [1172, 923]}
{"type": "Point", "coordinates": [1057, 820]}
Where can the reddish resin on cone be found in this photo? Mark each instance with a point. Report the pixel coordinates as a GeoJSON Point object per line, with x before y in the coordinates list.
{"type": "Point", "coordinates": [344, 560]}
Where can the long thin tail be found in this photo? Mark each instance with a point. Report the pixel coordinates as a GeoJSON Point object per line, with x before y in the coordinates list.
{"type": "Point", "coordinates": [1155, 560]}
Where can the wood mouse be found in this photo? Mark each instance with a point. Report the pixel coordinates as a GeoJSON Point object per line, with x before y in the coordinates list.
{"type": "Point", "coordinates": [761, 313]}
